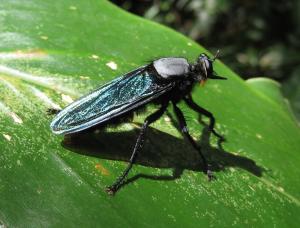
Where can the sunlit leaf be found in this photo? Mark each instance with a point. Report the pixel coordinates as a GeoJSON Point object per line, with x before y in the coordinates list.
{"type": "Point", "coordinates": [51, 52]}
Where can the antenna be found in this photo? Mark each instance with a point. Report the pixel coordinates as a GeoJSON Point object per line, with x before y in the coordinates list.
{"type": "Point", "coordinates": [216, 55]}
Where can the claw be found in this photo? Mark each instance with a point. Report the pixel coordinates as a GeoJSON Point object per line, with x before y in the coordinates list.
{"type": "Point", "coordinates": [221, 137]}
{"type": "Point", "coordinates": [111, 190]}
{"type": "Point", "coordinates": [210, 174]}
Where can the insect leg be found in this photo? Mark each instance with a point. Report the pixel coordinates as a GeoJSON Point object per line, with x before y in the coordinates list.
{"type": "Point", "coordinates": [203, 111]}
{"type": "Point", "coordinates": [186, 133]}
{"type": "Point", "coordinates": [150, 119]}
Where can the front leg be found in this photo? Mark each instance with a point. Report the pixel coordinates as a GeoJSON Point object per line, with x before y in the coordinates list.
{"type": "Point", "coordinates": [189, 101]}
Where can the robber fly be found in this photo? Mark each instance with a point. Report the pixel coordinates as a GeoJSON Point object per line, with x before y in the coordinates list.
{"type": "Point", "coordinates": [161, 82]}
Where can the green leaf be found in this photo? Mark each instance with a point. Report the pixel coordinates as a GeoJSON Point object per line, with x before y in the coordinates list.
{"type": "Point", "coordinates": [291, 89]}
{"type": "Point", "coordinates": [54, 51]}
{"type": "Point", "coordinates": [271, 89]}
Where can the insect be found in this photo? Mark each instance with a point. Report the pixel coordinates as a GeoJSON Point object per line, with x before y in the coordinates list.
{"type": "Point", "coordinates": [161, 82]}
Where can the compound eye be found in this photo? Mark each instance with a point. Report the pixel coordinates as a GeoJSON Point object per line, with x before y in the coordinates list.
{"type": "Point", "coordinates": [207, 63]}
{"type": "Point", "coordinates": [201, 58]}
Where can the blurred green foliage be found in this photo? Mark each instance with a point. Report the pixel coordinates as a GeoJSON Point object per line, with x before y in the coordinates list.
{"type": "Point", "coordinates": [256, 38]}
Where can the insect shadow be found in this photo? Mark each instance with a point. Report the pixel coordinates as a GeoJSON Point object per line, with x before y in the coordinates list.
{"type": "Point", "coordinates": [160, 150]}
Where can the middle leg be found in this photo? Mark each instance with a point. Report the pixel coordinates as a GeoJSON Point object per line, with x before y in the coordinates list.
{"type": "Point", "coordinates": [184, 129]}
{"type": "Point", "coordinates": [189, 101]}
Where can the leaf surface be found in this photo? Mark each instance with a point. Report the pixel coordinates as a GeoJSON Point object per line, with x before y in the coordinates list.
{"type": "Point", "coordinates": [52, 52]}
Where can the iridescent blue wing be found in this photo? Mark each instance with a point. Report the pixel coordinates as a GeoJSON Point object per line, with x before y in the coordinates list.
{"type": "Point", "coordinates": [111, 100]}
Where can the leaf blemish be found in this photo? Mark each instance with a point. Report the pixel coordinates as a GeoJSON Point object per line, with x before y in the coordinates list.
{"type": "Point", "coordinates": [84, 77]}
{"type": "Point", "coordinates": [259, 136]}
{"type": "Point", "coordinates": [102, 170]}
{"type": "Point", "coordinates": [112, 65]}
{"type": "Point", "coordinates": [72, 8]}
{"type": "Point", "coordinates": [66, 98]}
{"type": "Point", "coordinates": [217, 88]}
{"type": "Point", "coordinates": [44, 37]}
{"type": "Point", "coordinates": [94, 56]}
{"type": "Point", "coordinates": [7, 137]}
{"type": "Point", "coordinates": [19, 163]}
{"type": "Point", "coordinates": [167, 119]}
{"type": "Point", "coordinates": [16, 118]}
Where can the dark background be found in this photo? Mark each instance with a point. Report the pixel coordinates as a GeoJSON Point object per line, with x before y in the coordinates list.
{"type": "Point", "coordinates": [256, 38]}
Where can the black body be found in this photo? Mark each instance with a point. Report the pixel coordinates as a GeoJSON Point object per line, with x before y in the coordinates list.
{"type": "Point", "coordinates": [164, 81]}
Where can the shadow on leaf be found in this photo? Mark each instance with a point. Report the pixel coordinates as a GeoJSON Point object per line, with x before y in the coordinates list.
{"type": "Point", "coordinates": [160, 150]}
